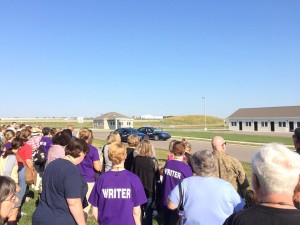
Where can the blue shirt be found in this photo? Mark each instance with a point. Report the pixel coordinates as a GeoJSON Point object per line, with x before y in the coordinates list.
{"type": "Point", "coordinates": [207, 200]}
{"type": "Point", "coordinates": [61, 180]}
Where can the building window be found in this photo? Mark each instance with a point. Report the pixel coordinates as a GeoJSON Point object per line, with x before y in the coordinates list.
{"type": "Point", "coordinates": [264, 124]}
{"type": "Point", "coordinates": [128, 123]}
{"type": "Point", "coordinates": [282, 124]}
{"type": "Point", "coordinates": [233, 124]}
{"type": "Point", "coordinates": [298, 124]}
{"type": "Point", "coordinates": [248, 124]}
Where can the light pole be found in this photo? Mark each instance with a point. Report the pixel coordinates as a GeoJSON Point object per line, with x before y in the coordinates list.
{"type": "Point", "coordinates": [205, 129]}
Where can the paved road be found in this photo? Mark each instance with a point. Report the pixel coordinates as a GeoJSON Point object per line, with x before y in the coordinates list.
{"type": "Point", "coordinates": [242, 152]}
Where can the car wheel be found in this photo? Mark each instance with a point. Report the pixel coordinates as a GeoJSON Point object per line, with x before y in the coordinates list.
{"type": "Point", "coordinates": [156, 138]}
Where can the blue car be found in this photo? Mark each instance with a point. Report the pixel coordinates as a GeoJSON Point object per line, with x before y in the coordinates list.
{"type": "Point", "coordinates": [125, 132]}
{"type": "Point", "coordinates": [154, 133]}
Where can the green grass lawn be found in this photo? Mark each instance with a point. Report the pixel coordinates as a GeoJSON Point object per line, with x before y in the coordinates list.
{"type": "Point", "coordinates": [161, 155]}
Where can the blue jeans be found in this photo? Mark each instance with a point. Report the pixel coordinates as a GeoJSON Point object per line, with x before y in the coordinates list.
{"type": "Point", "coordinates": [22, 183]}
{"type": "Point", "coordinates": [147, 209]}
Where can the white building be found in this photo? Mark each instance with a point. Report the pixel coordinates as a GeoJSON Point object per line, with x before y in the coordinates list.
{"type": "Point", "coordinates": [268, 119]}
{"type": "Point", "coordinates": [150, 117]}
{"type": "Point", "coordinates": [112, 121]}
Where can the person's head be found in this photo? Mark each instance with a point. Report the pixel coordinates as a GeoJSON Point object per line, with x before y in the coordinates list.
{"type": "Point", "coordinates": [46, 131]}
{"type": "Point", "coordinates": [53, 131]}
{"type": "Point", "coordinates": [25, 134]}
{"type": "Point", "coordinates": [145, 148]}
{"type": "Point", "coordinates": [114, 137]}
{"type": "Point", "coordinates": [171, 145]}
{"type": "Point", "coordinates": [275, 170]}
{"type": "Point", "coordinates": [133, 140]}
{"type": "Point", "coordinates": [218, 144]}
{"type": "Point", "coordinates": [16, 144]}
{"type": "Point", "coordinates": [117, 153]}
{"type": "Point", "coordinates": [7, 196]}
{"type": "Point", "coordinates": [204, 163]}
{"type": "Point", "coordinates": [250, 198]}
{"type": "Point", "coordinates": [10, 135]}
{"type": "Point", "coordinates": [61, 138]}
{"type": "Point", "coordinates": [71, 127]}
{"type": "Point", "coordinates": [178, 148]}
{"type": "Point", "coordinates": [86, 134]}
{"type": "Point", "coordinates": [77, 148]}
{"type": "Point", "coordinates": [188, 146]}
{"type": "Point", "coordinates": [296, 137]}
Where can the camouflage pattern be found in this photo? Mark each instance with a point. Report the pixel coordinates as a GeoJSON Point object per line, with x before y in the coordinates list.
{"type": "Point", "coordinates": [231, 170]}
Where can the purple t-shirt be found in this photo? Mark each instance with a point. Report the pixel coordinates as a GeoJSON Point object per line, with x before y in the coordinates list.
{"type": "Point", "coordinates": [86, 167]}
{"type": "Point", "coordinates": [7, 146]}
{"type": "Point", "coordinates": [115, 194]}
{"type": "Point", "coordinates": [46, 142]}
{"type": "Point", "coordinates": [174, 172]}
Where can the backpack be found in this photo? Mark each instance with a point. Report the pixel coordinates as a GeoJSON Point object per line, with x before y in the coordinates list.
{"type": "Point", "coordinates": [38, 156]}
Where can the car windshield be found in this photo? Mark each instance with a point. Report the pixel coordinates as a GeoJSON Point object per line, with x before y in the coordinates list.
{"type": "Point", "coordinates": [156, 130]}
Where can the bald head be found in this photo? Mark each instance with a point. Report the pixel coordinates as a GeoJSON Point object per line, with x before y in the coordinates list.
{"type": "Point", "coordinates": [218, 144]}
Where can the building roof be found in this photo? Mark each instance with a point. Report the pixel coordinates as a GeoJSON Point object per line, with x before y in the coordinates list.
{"type": "Point", "coordinates": [267, 112]}
{"type": "Point", "coordinates": [111, 115]}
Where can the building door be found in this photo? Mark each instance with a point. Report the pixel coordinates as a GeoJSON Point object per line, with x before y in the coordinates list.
{"type": "Point", "coordinates": [272, 125]}
{"type": "Point", "coordinates": [291, 126]}
{"type": "Point", "coordinates": [255, 126]}
{"type": "Point", "coordinates": [240, 125]}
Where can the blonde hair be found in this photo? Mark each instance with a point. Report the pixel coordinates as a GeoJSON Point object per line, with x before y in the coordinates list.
{"type": "Point", "coordinates": [133, 140]}
{"type": "Point", "coordinates": [114, 137]}
{"type": "Point", "coordinates": [117, 152]}
{"type": "Point", "coordinates": [86, 134]}
{"type": "Point", "coordinates": [145, 148]}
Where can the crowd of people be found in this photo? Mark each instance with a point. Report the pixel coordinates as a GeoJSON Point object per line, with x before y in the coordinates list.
{"type": "Point", "coordinates": [124, 184]}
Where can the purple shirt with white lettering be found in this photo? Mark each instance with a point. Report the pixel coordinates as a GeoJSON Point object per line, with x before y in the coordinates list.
{"type": "Point", "coordinates": [46, 142]}
{"type": "Point", "coordinates": [86, 167]}
{"type": "Point", "coordinates": [115, 194]}
{"type": "Point", "coordinates": [174, 172]}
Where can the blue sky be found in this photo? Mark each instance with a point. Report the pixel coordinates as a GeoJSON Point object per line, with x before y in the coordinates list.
{"type": "Point", "coordinates": [137, 57]}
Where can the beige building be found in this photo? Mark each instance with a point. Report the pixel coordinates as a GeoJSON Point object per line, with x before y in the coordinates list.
{"type": "Point", "coordinates": [268, 119]}
{"type": "Point", "coordinates": [112, 121]}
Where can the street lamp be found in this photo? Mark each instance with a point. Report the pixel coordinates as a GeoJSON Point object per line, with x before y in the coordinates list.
{"type": "Point", "coordinates": [205, 129]}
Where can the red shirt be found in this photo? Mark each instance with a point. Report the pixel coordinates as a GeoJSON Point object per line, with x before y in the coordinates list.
{"type": "Point", "coordinates": [24, 153]}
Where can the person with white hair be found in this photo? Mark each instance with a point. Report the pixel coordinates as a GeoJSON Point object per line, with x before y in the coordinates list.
{"type": "Point", "coordinates": [275, 174]}
{"type": "Point", "coordinates": [206, 199]}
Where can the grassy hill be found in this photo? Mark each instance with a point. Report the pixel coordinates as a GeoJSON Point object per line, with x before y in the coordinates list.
{"type": "Point", "coordinates": [183, 121]}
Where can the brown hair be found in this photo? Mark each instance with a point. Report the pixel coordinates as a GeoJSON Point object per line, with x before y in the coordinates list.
{"type": "Point", "coordinates": [117, 152]}
{"type": "Point", "coordinates": [145, 148]}
{"type": "Point", "coordinates": [178, 148]}
{"type": "Point", "coordinates": [25, 134]}
{"type": "Point", "coordinates": [76, 146]}
{"type": "Point", "coordinates": [86, 134]}
{"type": "Point", "coordinates": [7, 188]}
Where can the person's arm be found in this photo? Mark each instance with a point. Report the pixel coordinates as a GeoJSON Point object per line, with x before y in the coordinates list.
{"type": "Point", "coordinates": [171, 205]}
{"type": "Point", "coordinates": [137, 215]}
{"type": "Point", "coordinates": [95, 212]}
{"type": "Point", "coordinates": [29, 163]}
{"type": "Point", "coordinates": [97, 165]}
{"type": "Point", "coordinates": [76, 210]}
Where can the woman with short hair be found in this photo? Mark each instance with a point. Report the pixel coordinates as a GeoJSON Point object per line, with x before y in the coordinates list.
{"type": "Point", "coordinates": [206, 199]}
{"type": "Point", "coordinates": [175, 170]}
{"type": "Point", "coordinates": [117, 191]}
{"type": "Point", "coordinates": [63, 189]}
